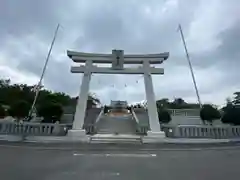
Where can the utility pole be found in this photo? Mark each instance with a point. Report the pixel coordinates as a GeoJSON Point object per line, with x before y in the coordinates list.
{"type": "Point", "coordinates": [190, 65]}
{"type": "Point", "coordinates": [43, 72]}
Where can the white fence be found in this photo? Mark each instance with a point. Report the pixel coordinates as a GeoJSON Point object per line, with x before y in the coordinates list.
{"type": "Point", "coordinates": [34, 129]}
{"type": "Point", "coordinates": [184, 112]}
{"type": "Point", "coordinates": [213, 132]}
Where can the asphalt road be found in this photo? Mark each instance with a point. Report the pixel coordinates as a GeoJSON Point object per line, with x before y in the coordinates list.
{"type": "Point", "coordinates": [31, 162]}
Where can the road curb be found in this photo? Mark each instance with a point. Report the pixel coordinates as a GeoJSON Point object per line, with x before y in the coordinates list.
{"type": "Point", "coordinates": [67, 140]}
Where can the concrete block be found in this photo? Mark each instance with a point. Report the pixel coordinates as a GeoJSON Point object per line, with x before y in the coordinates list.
{"type": "Point", "coordinates": [78, 135]}
{"type": "Point", "coordinates": [154, 137]}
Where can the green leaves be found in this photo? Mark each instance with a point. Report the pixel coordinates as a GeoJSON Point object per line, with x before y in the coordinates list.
{"type": "Point", "coordinates": [232, 115]}
{"type": "Point", "coordinates": [177, 103]}
{"type": "Point", "coordinates": [2, 112]}
{"type": "Point", "coordinates": [209, 113]}
{"type": "Point", "coordinates": [50, 111]}
{"type": "Point", "coordinates": [20, 109]}
{"type": "Point", "coordinates": [164, 116]}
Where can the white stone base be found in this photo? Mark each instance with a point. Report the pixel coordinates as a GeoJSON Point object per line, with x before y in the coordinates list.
{"type": "Point", "coordinates": [78, 135]}
{"type": "Point", "coordinates": [154, 137]}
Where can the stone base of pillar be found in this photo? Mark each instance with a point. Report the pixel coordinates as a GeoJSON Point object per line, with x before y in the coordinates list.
{"type": "Point", "coordinates": [154, 137]}
{"type": "Point", "coordinates": [78, 135]}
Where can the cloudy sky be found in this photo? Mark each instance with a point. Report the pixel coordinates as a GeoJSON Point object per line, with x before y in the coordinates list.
{"type": "Point", "coordinates": [211, 28]}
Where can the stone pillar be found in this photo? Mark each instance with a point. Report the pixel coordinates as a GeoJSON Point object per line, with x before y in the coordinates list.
{"type": "Point", "coordinates": [151, 102]}
{"type": "Point", "coordinates": [79, 116]}
{"type": "Point", "coordinates": [82, 98]}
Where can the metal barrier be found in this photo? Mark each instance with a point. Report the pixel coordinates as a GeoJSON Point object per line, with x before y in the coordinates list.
{"type": "Point", "coordinates": [201, 131]}
{"type": "Point", "coordinates": [33, 129]}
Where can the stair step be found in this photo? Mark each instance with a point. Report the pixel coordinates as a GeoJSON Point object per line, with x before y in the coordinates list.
{"type": "Point", "coordinates": [111, 138]}
{"type": "Point", "coordinates": [116, 124]}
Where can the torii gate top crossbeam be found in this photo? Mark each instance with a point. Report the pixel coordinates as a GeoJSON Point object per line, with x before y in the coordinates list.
{"type": "Point", "coordinates": [80, 57]}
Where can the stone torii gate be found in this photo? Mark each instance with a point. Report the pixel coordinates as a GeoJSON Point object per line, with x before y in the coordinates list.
{"type": "Point", "coordinates": [117, 59]}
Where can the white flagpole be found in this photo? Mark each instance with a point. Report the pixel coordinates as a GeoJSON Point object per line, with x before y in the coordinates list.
{"type": "Point", "coordinates": [190, 65]}
{"type": "Point", "coordinates": [43, 72]}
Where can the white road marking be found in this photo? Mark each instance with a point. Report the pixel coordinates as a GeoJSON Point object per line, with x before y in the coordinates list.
{"type": "Point", "coordinates": [118, 155]}
{"type": "Point", "coordinates": [122, 149]}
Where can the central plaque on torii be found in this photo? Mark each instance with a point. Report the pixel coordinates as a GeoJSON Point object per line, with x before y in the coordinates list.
{"type": "Point", "coordinates": [117, 59]}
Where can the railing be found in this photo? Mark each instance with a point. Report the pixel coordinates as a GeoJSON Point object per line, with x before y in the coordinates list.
{"type": "Point", "coordinates": [201, 131]}
{"type": "Point", "coordinates": [184, 112]}
{"type": "Point", "coordinates": [134, 115]}
{"type": "Point", "coordinates": [100, 115]}
{"type": "Point", "coordinates": [33, 129]}
{"type": "Point", "coordinates": [91, 117]}
{"type": "Point", "coordinates": [141, 117]}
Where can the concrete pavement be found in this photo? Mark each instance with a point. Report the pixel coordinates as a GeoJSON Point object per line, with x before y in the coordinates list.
{"type": "Point", "coordinates": [38, 162]}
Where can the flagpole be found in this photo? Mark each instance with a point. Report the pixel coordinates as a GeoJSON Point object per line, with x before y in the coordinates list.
{"type": "Point", "coordinates": [190, 65]}
{"type": "Point", "coordinates": [43, 72]}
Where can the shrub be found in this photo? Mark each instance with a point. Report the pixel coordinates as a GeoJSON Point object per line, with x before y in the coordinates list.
{"type": "Point", "coordinates": [51, 112]}
{"type": "Point", "coordinates": [232, 116]}
{"type": "Point", "coordinates": [19, 109]}
{"type": "Point", "coordinates": [209, 113]}
{"type": "Point", "coordinates": [2, 112]}
{"type": "Point", "coordinates": [164, 116]}
{"type": "Point", "coordinates": [106, 109]}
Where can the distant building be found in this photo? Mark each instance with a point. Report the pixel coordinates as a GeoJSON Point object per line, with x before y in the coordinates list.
{"type": "Point", "coordinates": [119, 104]}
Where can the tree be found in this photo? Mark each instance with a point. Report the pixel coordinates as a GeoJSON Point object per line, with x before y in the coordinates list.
{"type": "Point", "coordinates": [164, 116]}
{"type": "Point", "coordinates": [236, 100]}
{"type": "Point", "coordinates": [177, 103]}
{"type": "Point", "coordinates": [19, 109]}
{"type": "Point", "coordinates": [228, 106]}
{"type": "Point", "coordinates": [106, 109]}
{"type": "Point", "coordinates": [209, 113]}
{"type": "Point", "coordinates": [92, 101]}
{"type": "Point", "coordinates": [2, 112]}
{"type": "Point", "coordinates": [51, 112]}
{"type": "Point", "coordinates": [12, 93]}
{"type": "Point", "coordinates": [164, 103]}
{"type": "Point", "coordinates": [232, 115]}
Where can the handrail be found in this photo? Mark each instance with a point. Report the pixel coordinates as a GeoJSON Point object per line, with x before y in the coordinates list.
{"type": "Point", "coordinates": [135, 116]}
{"type": "Point", "coordinates": [99, 116]}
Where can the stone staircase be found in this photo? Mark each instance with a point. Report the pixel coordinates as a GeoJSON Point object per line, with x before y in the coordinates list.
{"type": "Point", "coordinates": [116, 125]}
{"type": "Point", "coordinates": [112, 138]}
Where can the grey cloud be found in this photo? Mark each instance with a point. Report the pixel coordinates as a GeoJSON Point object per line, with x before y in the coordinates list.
{"type": "Point", "coordinates": [100, 26]}
{"type": "Point", "coordinates": [20, 18]}
{"type": "Point", "coordinates": [230, 43]}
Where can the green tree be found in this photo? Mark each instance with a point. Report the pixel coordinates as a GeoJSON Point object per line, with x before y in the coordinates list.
{"type": "Point", "coordinates": [92, 101]}
{"type": "Point", "coordinates": [19, 109]}
{"type": "Point", "coordinates": [177, 103]}
{"type": "Point", "coordinates": [236, 100]}
{"type": "Point", "coordinates": [164, 116]}
{"type": "Point", "coordinates": [2, 112]}
{"type": "Point", "coordinates": [228, 106]}
{"type": "Point", "coordinates": [11, 93]}
{"type": "Point", "coordinates": [231, 115]}
{"type": "Point", "coordinates": [106, 109]}
{"type": "Point", "coordinates": [51, 112]}
{"type": "Point", "coordinates": [163, 103]}
{"type": "Point", "coordinates": [209, 113]}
